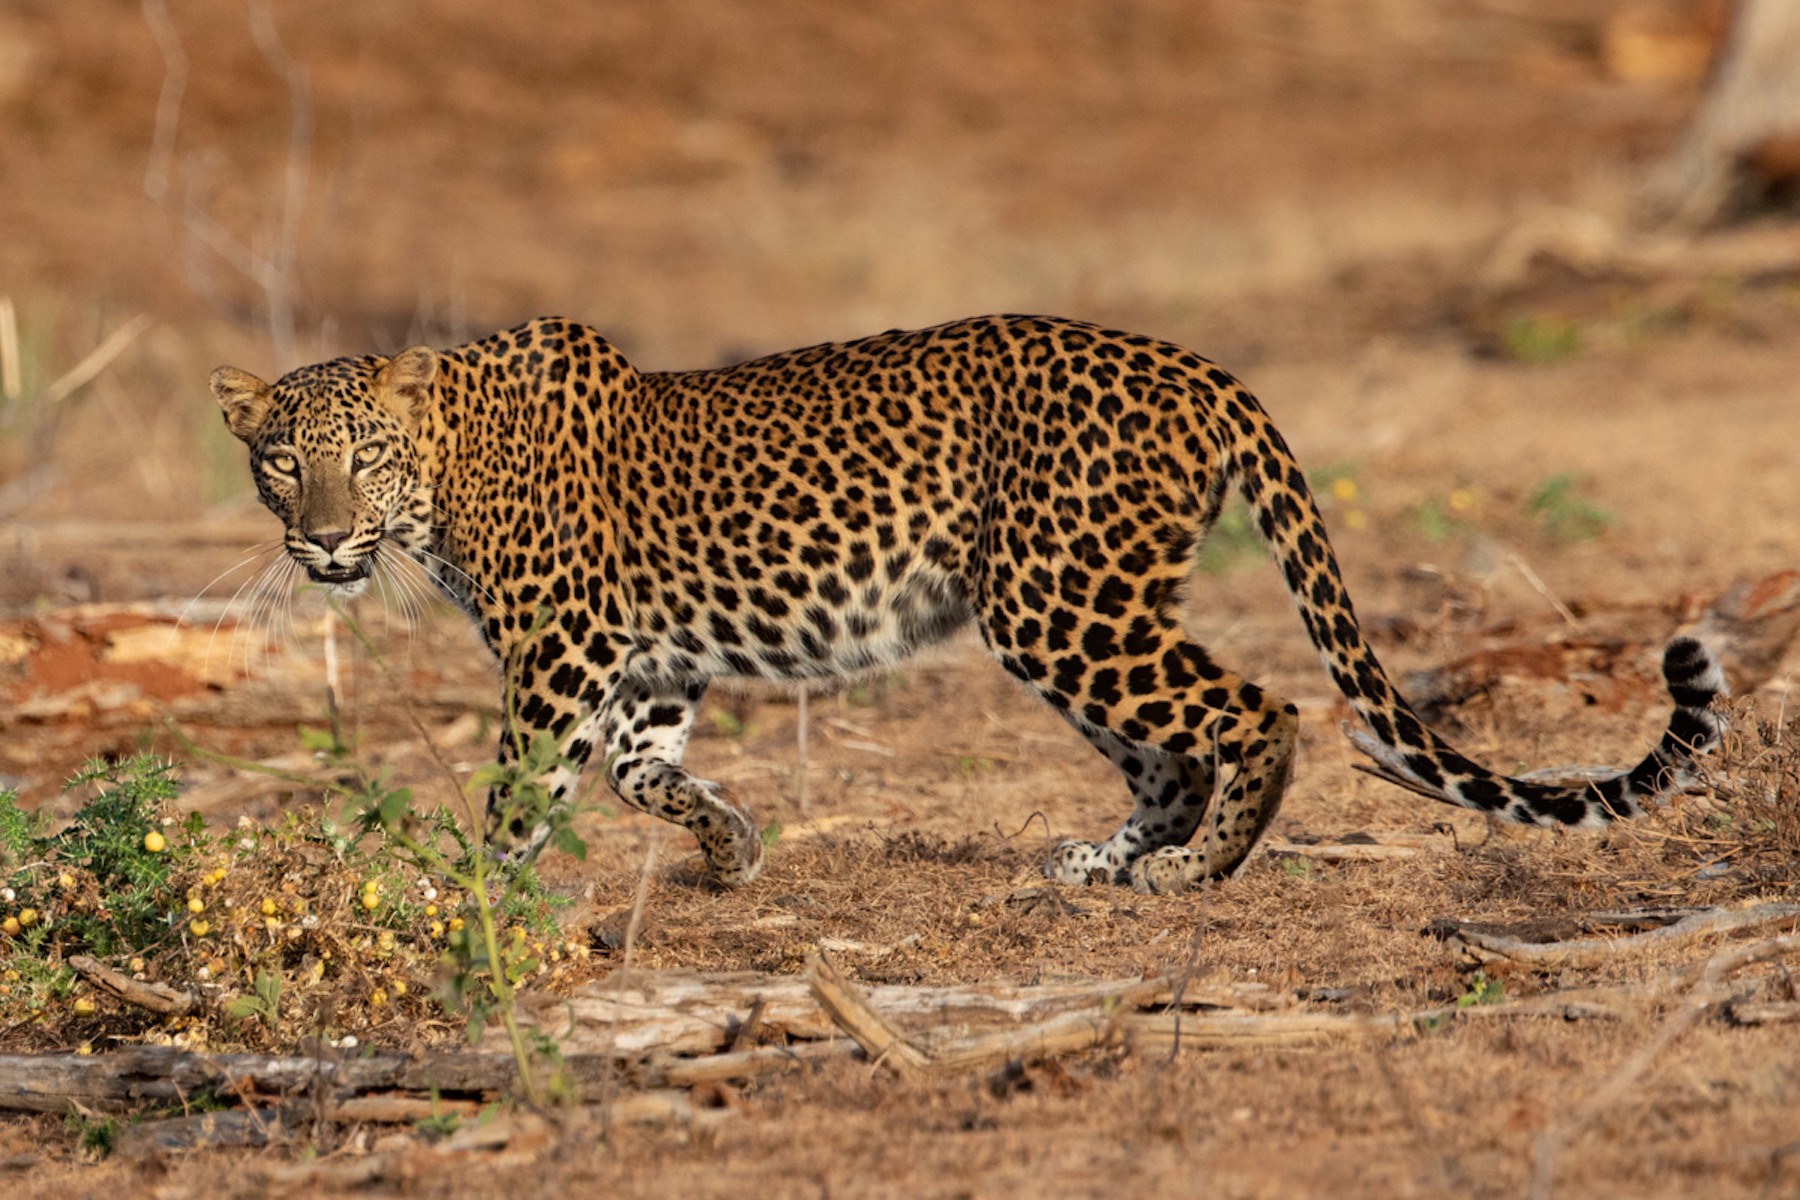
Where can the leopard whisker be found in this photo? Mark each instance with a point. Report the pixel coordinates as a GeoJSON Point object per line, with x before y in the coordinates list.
{"type": "Point", "coordinates": [242, 614]}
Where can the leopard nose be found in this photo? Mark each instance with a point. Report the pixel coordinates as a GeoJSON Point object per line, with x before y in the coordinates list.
{"type": "Point", "coordinates": [328, 540]}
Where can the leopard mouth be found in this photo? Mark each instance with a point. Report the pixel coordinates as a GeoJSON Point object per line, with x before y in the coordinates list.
{"type": "Point", "coordinates": [338, 576]}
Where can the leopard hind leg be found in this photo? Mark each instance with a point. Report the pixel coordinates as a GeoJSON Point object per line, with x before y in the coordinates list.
{"type": "Point", "coordinates": [1203, 751]}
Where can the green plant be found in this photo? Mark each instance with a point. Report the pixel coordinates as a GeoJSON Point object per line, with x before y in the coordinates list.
{"type": "Point", "coordinates": [487, 957]}
{"type": "Point", "coordinates": [263, 1001]}
{"type": "Point", "coordinates": [120, 841]}
{"type": "Point", "coordinates": [1233, 539]}
{"type": "Point", "coordinates": [1563, 512]}
{"type": "Point", "coordinates": [1539, 340]}
{"type": "Point", "coordinates": [1482, 990]}
{"type": "Point", "coordinates": [95, 1136]}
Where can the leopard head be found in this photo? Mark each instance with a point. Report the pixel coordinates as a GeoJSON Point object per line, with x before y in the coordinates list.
{"type": "Point", "coordinates": [333, 451]}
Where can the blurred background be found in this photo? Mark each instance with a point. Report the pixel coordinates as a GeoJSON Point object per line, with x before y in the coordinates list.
{"type": "Point", "coordinates": [1428, 232]}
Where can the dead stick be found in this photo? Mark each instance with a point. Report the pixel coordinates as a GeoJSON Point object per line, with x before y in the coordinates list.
{"type": "Point", "coordinates": [1704, 994]}
{"type": "Point", "coordinates": [1584, 952]}
{"type": "Point", "coordinates": [1747, 1013]}
{"type": "Point", "coordinates": [156, 997]}
{"type": "Point", "coordinates": [884, 1044]}
{"type": "Point", "coordinates": [741, 1064]}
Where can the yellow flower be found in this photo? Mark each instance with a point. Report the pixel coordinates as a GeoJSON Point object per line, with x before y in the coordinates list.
{"type": "Point", "coordinates": [268, 907]}
{"type": "Point", "coordinates": [1344, 489]}
{"type": "Point", "coordinates": [155, 842]}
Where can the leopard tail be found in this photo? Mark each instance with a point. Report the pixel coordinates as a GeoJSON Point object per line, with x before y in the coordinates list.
{"type": "Point", "coordinates": [1404, 751]}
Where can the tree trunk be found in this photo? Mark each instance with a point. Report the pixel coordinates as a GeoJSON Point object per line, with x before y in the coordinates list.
{"type": "Point", "coordinates": [1743, 145]}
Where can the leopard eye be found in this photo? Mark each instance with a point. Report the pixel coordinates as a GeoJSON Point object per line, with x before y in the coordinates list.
{"type": "Point", "coordinates": [369, 455]}
{"type": "Point", "coordinates": [286, 464]}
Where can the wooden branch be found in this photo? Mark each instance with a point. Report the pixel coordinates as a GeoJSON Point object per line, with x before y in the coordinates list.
{"type": "Point", "coordinates": [882, 1043]}
{"type": "Point", "coordinates": [635, 1014]}
{"type": "Point", "coordinates": [278, 1125]}
{"type": "Point", "coordinates": [1745, 1012]}
{"type": "Point", "coordinates": [1587, 952]}
{"type": "Point", "coordinates": [954, 1031]}
{"type": "Point", "coordinates": [155, 997]}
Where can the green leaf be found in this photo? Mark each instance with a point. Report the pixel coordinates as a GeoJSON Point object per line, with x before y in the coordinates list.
{"type": "Point", "coordinates": [771, 833]}
{"type": "Point", "coordinates": [394, 805]}
{"type": "Point", "coordinates": [566, 840]}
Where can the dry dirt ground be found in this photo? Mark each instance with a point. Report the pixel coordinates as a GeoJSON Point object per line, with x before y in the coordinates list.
{"type": "Point", "coordinates": [1402, 221]}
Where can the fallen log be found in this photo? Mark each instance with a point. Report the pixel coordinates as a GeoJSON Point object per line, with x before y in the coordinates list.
{"type": "Point", "coordinates": [632, 1014]}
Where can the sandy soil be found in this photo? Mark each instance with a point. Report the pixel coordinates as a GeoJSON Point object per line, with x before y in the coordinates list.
{"type": "Point", "coordinates": [1328, 197]}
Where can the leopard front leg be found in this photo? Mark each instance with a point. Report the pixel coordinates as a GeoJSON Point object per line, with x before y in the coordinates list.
{"type": "Point", "coordinates": [648, 732]}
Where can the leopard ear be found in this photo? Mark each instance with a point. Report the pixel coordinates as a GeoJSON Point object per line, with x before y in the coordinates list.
{"type": "Point", "coordinates": [244, 399]}
{"type": "Point", "coordinates": [404, 383]}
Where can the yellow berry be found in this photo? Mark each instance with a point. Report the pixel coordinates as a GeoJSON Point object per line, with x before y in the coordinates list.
{"type": "Point", "coordinates": [65, 880]}
{"type": "Point", "coordinates": [456, 924]}
{"type": "Point", "coordinates": [437, 929]}
{"type": "Point", "coordinates": [377, 998]}
{"type": "Point", "coordinates": [399, 987]}
{"type": "Point", "coordinates": [196, 905]}
{"type": "Point", "coordinates": [431, 910]}
{"type": "Point", "coordinates": [1462, 499]}
{"type": "Point", "coordinates": [137, 966]}
{"type": "Point", "coordinates": [27, 917]}
{"type": "Point", "coordinates": [371, 900]}
{"type": "Point", "coordinates": [84, 1007]}
{"type": "Point", "coordinates": [199, 928]}
{"type": "Point", "coordinates": [268, 907]}
{"type": "Point", "coordinates": [271, 924]}
{"type": "Point", "coordinates": [155, 842]}
{"type": "Point", "coordinates": [1344, 489]}
{"type": "Point", "coordinates": [10, 926]}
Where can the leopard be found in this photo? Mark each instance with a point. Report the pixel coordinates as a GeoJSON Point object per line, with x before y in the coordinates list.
{"type": "Point", "coordinates": [623, 538]}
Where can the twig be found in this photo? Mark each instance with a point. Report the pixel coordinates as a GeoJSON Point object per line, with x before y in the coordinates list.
{"type": "Point", "coordinates": [800, 752]}
{"type": "Point", "coordinates": [1587, 952]}
{"type": "Point", "coordinates": [96, 360]}
{"type": "Point", "coordinates": [636, 921]}
{"type": "Point", "coordinates": [1778, 1013]}
{"type": "Point", "coordinates": [1542, 589]}
{"type": "Point", "coordinates": [154, 997]}
{"type": "Point", "coordinates": [11, 382]}
{"type": "Point", "coordinates": [1703, 995]}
